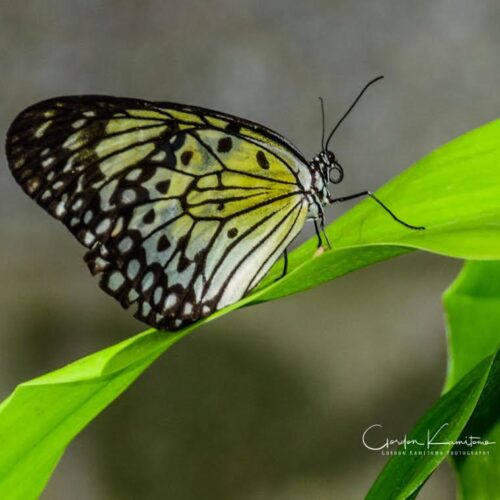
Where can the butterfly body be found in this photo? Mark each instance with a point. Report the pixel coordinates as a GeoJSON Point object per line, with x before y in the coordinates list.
{"type": "Point", "coordinates": [183, 210]}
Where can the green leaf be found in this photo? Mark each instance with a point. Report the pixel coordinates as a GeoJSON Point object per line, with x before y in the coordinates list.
{"type": "Point", "coordinates": [404, 474]}
{"type": "Point", "coordinates": [452, 192]}
{"type": "Point", "coordinates": [42, 416]}
{"type": "Point", "coordinates": [472, 305]}
{"type": "Point", "coordinates": [469, 406]}
{"type": "Point", "coordinates": [473, 310]}
{"type": "Point", "coordinates": [479, 475]}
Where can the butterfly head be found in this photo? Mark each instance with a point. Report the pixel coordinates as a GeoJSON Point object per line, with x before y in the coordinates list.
{"type": "Point", "coordinates": [332, 168]}
{"type": "Point", "coordinates": [324, 167]}
{"type": "Point", "coordinates": [325, 170]}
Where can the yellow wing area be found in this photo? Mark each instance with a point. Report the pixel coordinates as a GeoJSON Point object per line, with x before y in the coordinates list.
{"type": "Point", "coordinates": [183, 210]}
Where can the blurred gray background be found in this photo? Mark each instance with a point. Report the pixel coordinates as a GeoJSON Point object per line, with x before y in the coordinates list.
{"type": "Point", "coordinates": [268, 402]}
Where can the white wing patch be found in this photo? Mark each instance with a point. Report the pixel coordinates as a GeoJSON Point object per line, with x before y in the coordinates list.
{"type": "Point", "coordinates": [183, 210]}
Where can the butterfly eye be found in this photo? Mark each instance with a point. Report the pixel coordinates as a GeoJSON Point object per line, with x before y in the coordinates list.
{"type": "Point", "coordinates": [336, 174]}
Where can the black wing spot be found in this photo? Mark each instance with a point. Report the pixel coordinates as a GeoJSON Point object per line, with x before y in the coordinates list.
{"type": "Point", "coordinates": [149, 218]}
{"type": "Point", "coordinates": [163, 243]}
{"type": "Point", "coordinates": [224, 145]}
{"type": "Point", "coordinates": [262, 160]}
{"type": "Point", "coordinates": [232, 233]}
{"type": "Point", "coordinates": [186, 157]}
{"type": "Point", "coordinates": [163, 187]}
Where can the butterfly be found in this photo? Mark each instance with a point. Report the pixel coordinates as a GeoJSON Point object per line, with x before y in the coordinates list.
{"type": "Point", "coordinates": [183, 210]}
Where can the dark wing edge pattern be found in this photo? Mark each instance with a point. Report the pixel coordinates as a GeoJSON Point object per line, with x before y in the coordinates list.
{"type": "Point", "coordinates": [56, 151]}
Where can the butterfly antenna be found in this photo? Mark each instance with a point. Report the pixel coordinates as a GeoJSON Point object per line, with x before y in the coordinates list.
{"type": "Point", "coordinates": [322, 123]}
{"type": "Point", "coordinates": [352, 106]}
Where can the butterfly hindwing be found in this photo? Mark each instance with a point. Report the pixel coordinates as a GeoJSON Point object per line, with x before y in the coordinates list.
{"type": "Point", "coordinates": [183, 210]}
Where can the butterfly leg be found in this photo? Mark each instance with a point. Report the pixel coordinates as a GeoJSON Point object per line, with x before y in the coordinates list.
{"type": "Point", "coordinates": [285, 265]}
{"type": "Point", "coordinates": [318, 233]}
{"type": "Point", "coordinates": [322, 224]}
{"type": "Point", "coordinates": [385, 207]}
{"type": "Point", "coordinates": [321, 229]}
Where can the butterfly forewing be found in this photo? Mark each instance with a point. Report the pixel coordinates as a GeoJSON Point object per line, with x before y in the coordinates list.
{"type": "Point", "coordinates": [183, 210]}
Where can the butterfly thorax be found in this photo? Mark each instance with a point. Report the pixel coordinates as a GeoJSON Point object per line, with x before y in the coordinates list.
{"type": "Point", "coordinates": [321, 168]}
